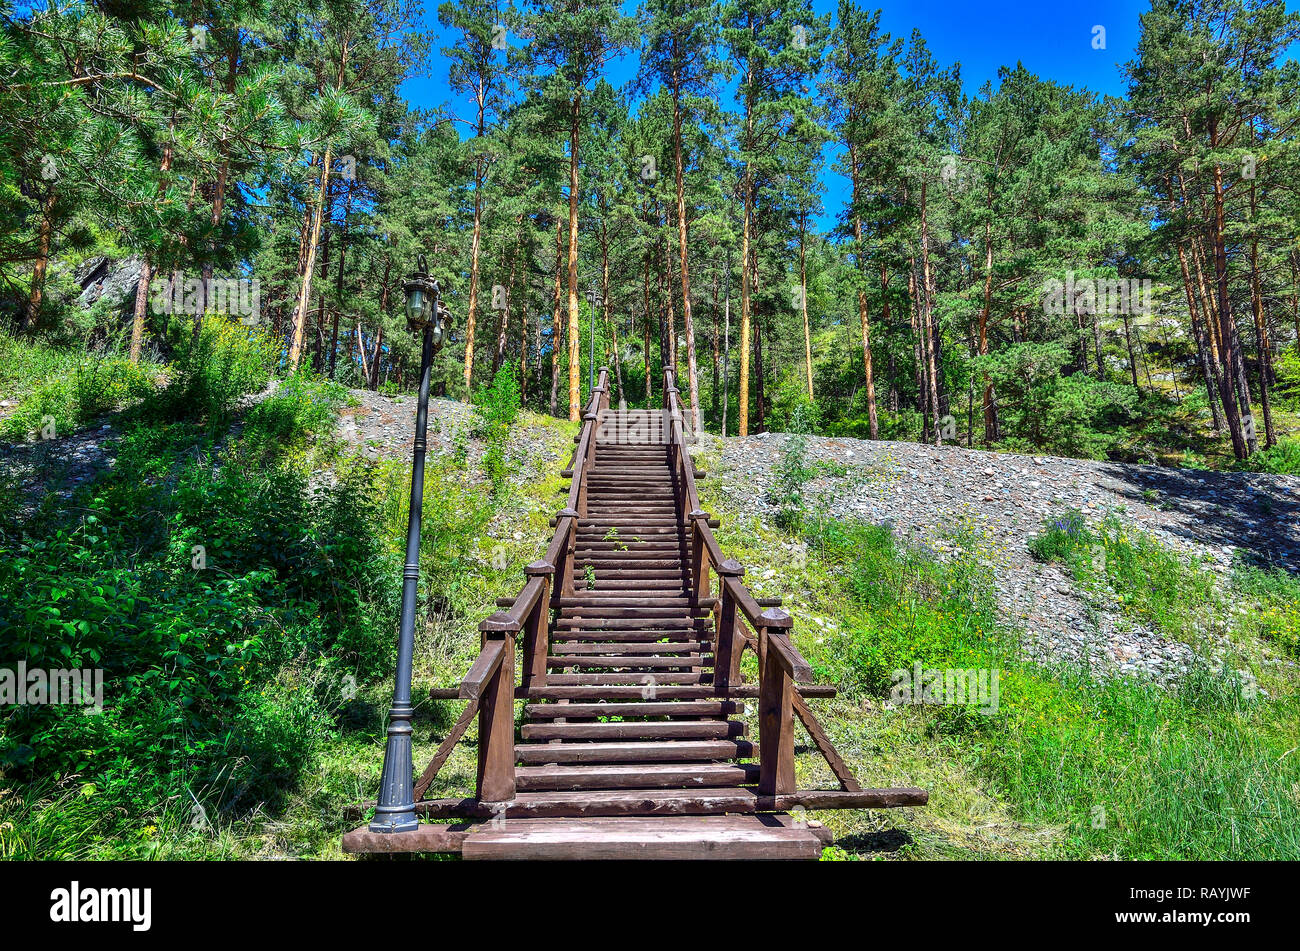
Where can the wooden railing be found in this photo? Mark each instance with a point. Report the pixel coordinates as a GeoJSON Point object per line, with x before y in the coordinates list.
{"type": "Point", "coordinates": [740, 622]}
{"type": "Point", "coordinates": [489, 686]}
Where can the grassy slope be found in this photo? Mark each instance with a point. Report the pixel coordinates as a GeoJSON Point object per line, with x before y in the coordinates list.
{"type": "Point", "coordinates": [1068, 766]}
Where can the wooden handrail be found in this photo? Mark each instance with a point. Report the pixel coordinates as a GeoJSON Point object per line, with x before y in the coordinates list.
{"type": "Point", "coordinates": [483, 669]}
{"type": "Point", "coordinates": [781, 666]}
{"type": "Point", "coordinates": [490, 682]}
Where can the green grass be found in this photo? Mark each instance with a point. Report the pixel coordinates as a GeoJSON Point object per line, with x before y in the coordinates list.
{"type": "Point", "coordinates": [1071, 765]}
{"type": "Point", "coordinates": [245, 699]}
{"type": "Point", "coordinates": [59, 391]}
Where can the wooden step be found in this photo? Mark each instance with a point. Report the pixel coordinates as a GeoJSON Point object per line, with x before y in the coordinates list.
{"type": "Point", "coordinates": [657, 678]}
{"type": "Point", "coordinates": [668, 751]}
{"type": "Point", "coordinates": [631, 611]}
{"type": "Point", "coordinates": [624, 649]}
{"type": "Point", "coordinates": [685, 662]}
{"type": "Point", "coordinates": [680, 802]}
{"type": "Point", "coordinates": [611, 585]}
{"type": "Point", "coordinates": [716, 838]}
{"type": "Point", "coordinates": [596, 692]}
{"type": "Point", "coordinates": [554, 778]}
{"type": "Point", "coordinates": [631, 637]}
{"type": "Point", "coordinates": [674, 623]}
{"type": "Point", "coordinates": [652, 708]}
{"type": "Point", "coordinates": [667, 730]}
{"type": "Point", "coordinates": [579, 600]}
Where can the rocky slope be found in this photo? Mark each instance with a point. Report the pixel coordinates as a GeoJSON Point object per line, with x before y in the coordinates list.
{"type": "Point", "coordinates": [924, 492]}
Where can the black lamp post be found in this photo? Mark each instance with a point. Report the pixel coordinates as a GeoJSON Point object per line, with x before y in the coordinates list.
{"type": "Point", "coordinates": [395, 811]}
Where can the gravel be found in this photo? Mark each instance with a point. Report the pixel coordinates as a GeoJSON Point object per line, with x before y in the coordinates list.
{"type": "Point", "coordinates": [922, 492]}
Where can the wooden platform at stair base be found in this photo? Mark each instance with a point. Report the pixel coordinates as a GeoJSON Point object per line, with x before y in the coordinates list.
{"type": "Point", "coordinates": [770, 836]}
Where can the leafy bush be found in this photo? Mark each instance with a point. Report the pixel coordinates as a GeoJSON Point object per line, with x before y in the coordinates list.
{"type": "Point", "coordinates": [1281, 459]}
{"type": "Point", "coordinates": [302, 408]}
{"type": "Point", "coordinates": [223, 620]}
{"type": "Point", "coordinates": [795, 471]}
{"type": "Point", "coordinates": [69, 388]}
{"type": "Point", "coordinates": [903, 606]}
{"type": "Point", "coordinates": [1061, 537]}
{"type": "Point", "coordinates": [211, 374]}
{"type": "Point", "coordinates": [497, 406]}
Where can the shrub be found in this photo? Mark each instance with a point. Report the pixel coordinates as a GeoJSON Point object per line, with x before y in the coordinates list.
{"type": "Point", "coordinates": [795, 471]}
{"type": "Point", "coordinates": [211, 374]}
{"type": "Point", "coordinates": [304, 407]}
{"type": "Point", "coordinates": [69, 388]}
{"type": "Point", "coordinates": [1281, 459]}
{"type": "Point", "coordinates": [497, 407]}
{"type": "Point", "coordinates": [1061, 538]}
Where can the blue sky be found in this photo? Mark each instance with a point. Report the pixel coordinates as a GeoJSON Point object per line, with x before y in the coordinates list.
{"type": "Point", "coordinates": [1053, 39]}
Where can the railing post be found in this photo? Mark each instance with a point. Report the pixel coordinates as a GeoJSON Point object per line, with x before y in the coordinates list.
{"type": "Point", "coordinates": [726, 656]}
{"type": "Point", "coordinates": [496, 726]}
{"type": "Point", "coordinates": [588, 419]}
{"type": "Point", "coordinates": [699, 557]}
{"type": "Point", "coordinates": [775, 711]}
{"type": "Point", "coordinates": [537, 630]}
{"type": "Point", "coordinates": [563, 586]}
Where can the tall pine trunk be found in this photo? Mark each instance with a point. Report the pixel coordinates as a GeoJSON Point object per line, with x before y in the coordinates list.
{"type": "Point", "coordinates": [575, 335]}
{"type": "Point", "coordinates": [688, 322]}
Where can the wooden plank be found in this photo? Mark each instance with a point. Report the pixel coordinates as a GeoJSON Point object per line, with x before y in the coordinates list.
{"type": "Point", "coordinates": [496, 760]}
{"type": "Point", "coordinates": [652, 708]}
{"type": "Point", "coordinates": [824, 745]}
{"type": "Point", "coordinates": [445, 748]}
{"type": "Point", "coordinates": [654, 802]}
{"type": "Point", "coordinates": [669, 751]}
{"type": "Point", "coordinates": [776, 729]}
{"type": "Point", "coordinates": [669, 730]}
{"type": "Point", "coordinates": [635, 776]}
{"type": "Point", "coordinates": [737, 838]}
{"type": "Point", "coordinates": [426, 838]}
{"type": "Point", "coordinates": [484, 666]}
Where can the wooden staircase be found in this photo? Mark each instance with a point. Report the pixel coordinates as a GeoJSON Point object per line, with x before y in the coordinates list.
{"type": "Point", "coordinates": [631, 743]}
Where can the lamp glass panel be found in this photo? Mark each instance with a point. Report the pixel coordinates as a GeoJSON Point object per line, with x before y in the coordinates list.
{"type": "Point", "coordinates": [415, 304]}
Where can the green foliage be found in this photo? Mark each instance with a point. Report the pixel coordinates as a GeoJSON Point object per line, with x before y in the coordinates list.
{"type": "Point", "coordinates": [497, 407]}
{"type": "Point", "coordinates": [1151, 583]}
{"type": "Point", "coordinates": [1062, 538]}
{"type": "Point", "coordinates": [226, 362]}
{"type": "Point", "coordinates": [303, 406]}
{"type": "Point", "coordinates": [905, 607]}
{"type": "Point", "coordinates": [1121, 767]}
{"type": "Point", "coordinates": [1275, 612]}
{"type": "Point", "coordinates": [1281, 459]}
{"type": "Point", "coordinates": [64, 389]}
{"type": "Point", "coordinates": [795, 471]}
{"type": "Point", "coordinates": [223, 621]}
{"type": "Point", "coordinates": [1047, 411]}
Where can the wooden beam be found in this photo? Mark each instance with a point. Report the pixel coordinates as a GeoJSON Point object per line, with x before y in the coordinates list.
{"type": "Point", "coordinates": [444, 750]}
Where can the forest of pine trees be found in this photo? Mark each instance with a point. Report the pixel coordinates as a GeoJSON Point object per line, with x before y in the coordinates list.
{"type": "Point", "coordinates": [796, 210]}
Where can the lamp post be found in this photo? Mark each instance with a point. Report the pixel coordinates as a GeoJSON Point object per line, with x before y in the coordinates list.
{"type": "Point", "coordinates": [395, 811]}
{"type": "Point", "coordinates": [596, 300]}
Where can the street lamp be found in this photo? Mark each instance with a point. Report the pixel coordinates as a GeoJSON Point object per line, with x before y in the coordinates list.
{"type": "Point", "coordinates": [395, 811]}
{"type": "Point", "coordinates": [596, 300]}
